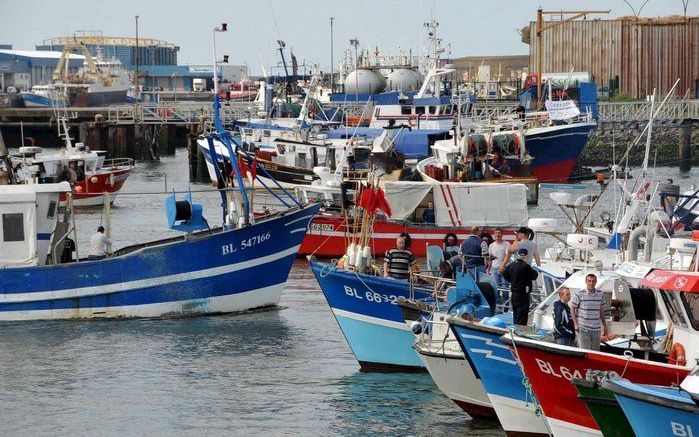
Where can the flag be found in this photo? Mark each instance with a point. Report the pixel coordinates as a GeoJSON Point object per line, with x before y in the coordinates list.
{"type": "Point", "coordinates": [243, 166]}
{"type": "Point", "coordinates": [367, 200]}
{"type": "Point", "coordinates": [381, 202]}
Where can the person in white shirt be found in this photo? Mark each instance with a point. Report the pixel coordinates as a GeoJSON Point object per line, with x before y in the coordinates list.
{"type": "Point", "coordinates": [99, 243]}
{"type": "Point", "coordinates": [498, 251]}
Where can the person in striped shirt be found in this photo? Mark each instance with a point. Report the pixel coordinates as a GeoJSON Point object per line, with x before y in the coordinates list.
{"type": "Point", "coordinates": [399, 261]}
{"type": "Point", "coordinates": [587, 308]}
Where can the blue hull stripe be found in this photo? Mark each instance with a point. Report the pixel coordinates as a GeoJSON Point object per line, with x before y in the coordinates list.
{"type": "Point", "coordinates": [205, 265]}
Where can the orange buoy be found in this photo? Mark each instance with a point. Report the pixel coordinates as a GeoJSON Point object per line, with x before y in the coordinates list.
{"type": "Point", "coordinates": [677, 355]}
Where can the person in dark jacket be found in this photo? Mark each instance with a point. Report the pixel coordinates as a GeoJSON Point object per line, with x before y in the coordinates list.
{"type": "Point", "coordinates": [563, 329]}
{"type": "Point", "coordinates": [520, 276]}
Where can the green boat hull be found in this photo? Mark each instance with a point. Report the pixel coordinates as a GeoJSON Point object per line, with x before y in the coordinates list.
{"type": "Point", "coordinates": [604, 409]}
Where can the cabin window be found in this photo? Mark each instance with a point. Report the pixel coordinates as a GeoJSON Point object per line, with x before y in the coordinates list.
{"type": "Point", "coordinates": [406, 110]}
{"type": "Point", "coordinates": [673, 307]}
{"type": "Point", "coordinates": [420, 110]}
{"type": "Point", "coordinates": [13, 227]}
{"type": "Point", "coordinates": [433, 109]}
{"type": "Point", "coordinates": [447, 109]}
{"type": "Point", "coordinates": [330, 159]}
{"type": "Point", "coordinates": [691, 304]}
{"type": "Point", "coordinates": [52, 209]}
{"type": "Point", "coordinates": [548, 285]}
{"type": "Point", "coordinates": [266, 133]}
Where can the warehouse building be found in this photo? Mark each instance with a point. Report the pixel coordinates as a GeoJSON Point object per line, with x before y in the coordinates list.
{"type": "Point", "coordinates": [150, 51]}
{"type": "Point", "coordinates": [626, 55]}
{"type": "Point", "coordinates": [22, 69]}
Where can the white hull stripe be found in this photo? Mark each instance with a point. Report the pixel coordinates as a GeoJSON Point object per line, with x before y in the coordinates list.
{"type": "Point", "coordinates": [372, 320]}
{"type": "Point", "coordinates": [144, 283]}
{"type": "Point", "coordinates": [563, 428]}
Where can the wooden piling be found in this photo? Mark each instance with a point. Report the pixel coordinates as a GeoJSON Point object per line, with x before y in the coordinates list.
{"type": "Point", "coordinates": [685, 147]}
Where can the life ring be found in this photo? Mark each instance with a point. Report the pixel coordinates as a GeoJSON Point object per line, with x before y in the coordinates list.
{"type": "Point", "coordinates": [677, 355]}
{"type": "Point", "coordinates": [412, 120]}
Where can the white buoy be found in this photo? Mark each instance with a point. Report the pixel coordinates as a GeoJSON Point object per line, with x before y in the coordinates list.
{"type": "Point", "coordinates": [352, 253]}
{"type": "Point", "coordinates": [366, 254]}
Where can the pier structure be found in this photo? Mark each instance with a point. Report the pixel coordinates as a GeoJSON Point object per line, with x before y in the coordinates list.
{"type": "Point", "coordinates": [145, 131]}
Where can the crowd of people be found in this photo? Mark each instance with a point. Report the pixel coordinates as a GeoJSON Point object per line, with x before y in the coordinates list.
{"type": "Point", "coordinates": [508, 267]}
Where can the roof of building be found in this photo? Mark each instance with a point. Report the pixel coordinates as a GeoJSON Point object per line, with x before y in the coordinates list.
{"type": "Point", "coordinates": [109, 40]}
{"type": "Point", "coordinates": [177, 70]}
{"type": "Point", "coordinates": [38, 54]}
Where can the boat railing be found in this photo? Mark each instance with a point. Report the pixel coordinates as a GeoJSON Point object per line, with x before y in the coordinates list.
{"type": "Point", "coordinates": [118, 163]}
{"type": "Point", "coordinates": [439, 284]}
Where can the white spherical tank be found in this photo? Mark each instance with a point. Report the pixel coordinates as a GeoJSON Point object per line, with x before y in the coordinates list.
{"type": "Point", "coordinates": [404, 79]}
{"type": "Point", "coordinates": [364, 82]}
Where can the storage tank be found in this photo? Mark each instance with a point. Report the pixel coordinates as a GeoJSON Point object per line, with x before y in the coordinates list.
{"type": "Point", "coordinates": [364, 82]}
{"type": "Point", "coordinates": [404, 79]}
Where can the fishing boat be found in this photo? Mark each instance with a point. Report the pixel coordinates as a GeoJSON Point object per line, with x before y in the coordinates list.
{"type": "Point", "coordinates": [458, 207]}
{"type": "Point", "coordinates": [226, 270]}
{"type": "Point", "coordinates": [550, 367]}
{"type": "Point", "coordinates": [437, 347]}
{"type": "Point", "coordinates": [656, 410]}
{"type": "Point", "coordinates": [493, 365]}
{"type": "Point", "coordinates": [602, 404]}
{"type": "Point", "coordinates": [364, 303]}
{"type": "Point", "coordinates": [241, 265]}
{"type": "Point", "coordinates": [90, 173]}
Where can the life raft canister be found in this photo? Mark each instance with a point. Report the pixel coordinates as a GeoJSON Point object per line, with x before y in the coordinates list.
{"type": "Point", "coordinates": [677, 355]}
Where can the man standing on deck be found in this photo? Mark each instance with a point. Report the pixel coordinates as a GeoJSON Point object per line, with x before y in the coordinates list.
{"type": "Point", "coordinates": [523, 242]}
{"type": "Point", "coordinates": [587, 308]}
{"type": "Point", "coordinates": [399, 261]}
{"type": "Point", "coordinates": [520, 274]}
{"type": "Point", "coordinates": [498, 251]}
{"type": "Point", "coordinates": [475, 250]}
{"type": "Point", "coordinates": [98, 245]}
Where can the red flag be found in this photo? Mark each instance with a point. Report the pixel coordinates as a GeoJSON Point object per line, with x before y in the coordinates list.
{"type": "Point", "coordinates": [243, 166]}
{"type": "Point", "coordinates": [367, 200]}
{"type": "Point", "coordinates": [381, 202]}
{"type": "Point", "coordinates": [253, 168]}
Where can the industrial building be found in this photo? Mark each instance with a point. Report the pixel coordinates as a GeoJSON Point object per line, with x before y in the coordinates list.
{"type": "Point", "coordinates": [21, 69]}
{"type": "Point", "coordinates": [628, 55]}
{"type": "Point", "coordinates": [150, 51]}
{"type": "Point", "coordinates": [502, 68]}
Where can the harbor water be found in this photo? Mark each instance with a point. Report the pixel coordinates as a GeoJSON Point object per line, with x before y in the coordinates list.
{"type": "Point", "coordinates": [284, 371]}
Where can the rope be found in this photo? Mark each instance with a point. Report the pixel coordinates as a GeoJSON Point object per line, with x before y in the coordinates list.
{"type": "Point", "coordinates": [527, 385]}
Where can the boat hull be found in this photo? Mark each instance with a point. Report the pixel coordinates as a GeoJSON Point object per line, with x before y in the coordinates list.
{"type": "Point", "coordinates": [454, 377]}
{"type": "Point", "coordinates": [90, 191]}
{"type": "Point", "coordinates": [550, 369]}
{"type": "Point", "coordinates": [652, 416]}
{"type": "Point", "coordinates": [327, 236]}
{"type": "Point", "coordinates": [206, 273]}
{"type": "Point", "coordinates": [373, 325]}
{"type": "Point", "coordinates": [556, 149]}
{"type": "Point", "coordinates": [604, 408]}
{"type": "Point", "coordinates": [494, 366]}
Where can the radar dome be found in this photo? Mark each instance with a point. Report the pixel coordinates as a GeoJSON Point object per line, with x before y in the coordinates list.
{"type": "Point", "coordinates": [364, 82]}
{"type": "Point", "coordinates": [404, 79]}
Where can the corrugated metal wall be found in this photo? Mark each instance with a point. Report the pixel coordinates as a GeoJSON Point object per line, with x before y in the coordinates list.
{"type": "Point", "coordinates": [650, 54]}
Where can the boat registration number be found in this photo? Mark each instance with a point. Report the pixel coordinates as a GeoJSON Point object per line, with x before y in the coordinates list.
{"type": "Point", "coordinates": [682, 430]}
{"type": "Point", "coordinates": [245, 243]}
{"type": "Point", "coordinates": [370, 296]}
{"type": "Point", "coordinates": [322, 227]}
{"type": "Point", "coordinates": [562, 372]}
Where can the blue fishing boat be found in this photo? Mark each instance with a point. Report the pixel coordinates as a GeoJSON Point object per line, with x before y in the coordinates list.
{"type": "Point", "coordinates": [366, 311]}
{"type": "Point", "coordinates": [657, 411]}
{"type": "Point", "coordinates": [493, 364]}
{"type": "Point", "coordinates": [209, 271]}
{"type": "Point", "coordinates": [239, 266]}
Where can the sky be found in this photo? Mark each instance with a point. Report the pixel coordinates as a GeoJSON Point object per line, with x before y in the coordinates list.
{"type": "Point", "coordinates": [470, 27]}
